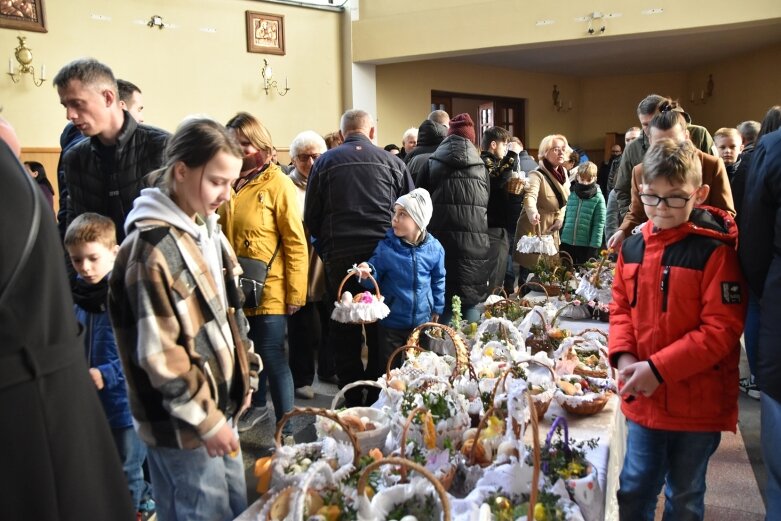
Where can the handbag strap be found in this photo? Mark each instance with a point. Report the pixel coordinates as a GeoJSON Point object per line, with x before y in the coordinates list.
{"type": "Point", "coordinates": [276, 250]}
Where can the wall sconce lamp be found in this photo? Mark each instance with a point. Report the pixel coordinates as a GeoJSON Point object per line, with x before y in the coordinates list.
{"type": "Point", "coordinates": [705, 93]}
{"type": "Point", "coordinates": [557, 103]}
{"type": "Point", "coordinates": [156, 21]}
{"type": "Point", "coordinates": [24, 56]}
{"type": "Point", "coordinates": [268, 83]}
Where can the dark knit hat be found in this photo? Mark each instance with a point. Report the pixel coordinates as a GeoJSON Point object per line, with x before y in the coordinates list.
{"type": "Point", "coordinates": [462, 125]}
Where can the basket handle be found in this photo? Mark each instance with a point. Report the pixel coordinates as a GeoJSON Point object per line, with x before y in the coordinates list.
{"type": "Point", "coordinates": [531, 283]}
{"type": "Point", "coordinates": [410, 417]}
{"type": "Point", "coordinates": [480, 426]}
{"type": "Point", "coordinates": [360, 383]}
{"type": "Point", "coordinates": [568, 257]}
{"type": "Point", "coordinates": [395, 353]}
{"type": "Point", "coordinates": [462, 355]}
{"type": "Point", "coordinates": [535, 455]}
{"type": "Point", "coordinates": [443, 496]}
{"type": "Point", "coordinates": [352, 272]}
{"type": "Point", "coordinates": [560, 421]}
{"type": "Point", "coordinates": [542, 317]}
{"type": "Point", "coordinates": [502, 292]}
{"type": "Point", "coordinates": [303, 492]}
{"type": "Point", "coordinates": [537, 362]}
{"type": "Point", "coordinates": [304, 411]}
{"type": "Point", "coordinates": [594, 330]}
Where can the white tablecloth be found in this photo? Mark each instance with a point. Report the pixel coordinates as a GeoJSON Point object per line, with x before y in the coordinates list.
{"type": "Point", "coordinates": [609, 426]}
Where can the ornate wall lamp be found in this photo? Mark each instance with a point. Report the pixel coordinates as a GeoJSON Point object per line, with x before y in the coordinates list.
{"type": "Point", "coordinates": [269, 83]}
{"type": "Point", "coordinates": [705, 93]}
{"type": "Point", "coordinates": [557, 103]}
{"type": "Point", "coordinates": [24, 56]}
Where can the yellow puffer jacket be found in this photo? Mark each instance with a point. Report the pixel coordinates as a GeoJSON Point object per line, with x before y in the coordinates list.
{"type": "Point", "coordinates": [261, 213]}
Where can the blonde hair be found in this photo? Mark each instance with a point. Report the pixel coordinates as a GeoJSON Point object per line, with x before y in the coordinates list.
{"type": "Point", "coordinates": [587, 171]}
{"type": "Point", "coordinates": [678, 163]}
{"type": "Point", "coordinates": [728, 132]}
{"type": "Point", "coordinates": [91, 227]}
{"type": "Point", "coordinates": [252, 129]}
{"type": "Point", "coordinates": [547, 143]}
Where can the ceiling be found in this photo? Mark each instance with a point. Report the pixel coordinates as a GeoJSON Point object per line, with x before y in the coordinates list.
{"type": "Point", "coordinates": [644, 53]}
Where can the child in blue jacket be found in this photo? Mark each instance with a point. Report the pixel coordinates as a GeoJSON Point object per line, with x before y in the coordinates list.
{"type": "Point", "coordinates": [91, 241]}
{"type": "Point", "coordinates": [409, 266]}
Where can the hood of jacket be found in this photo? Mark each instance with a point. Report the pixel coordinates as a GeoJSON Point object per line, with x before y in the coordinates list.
{"type": "Point", "coordinates": [430, 135]}
{"type": "Point", "coordinates": [153, 204]}
{"type": "Point", "coordinates": [704, 220]}
{"type": "Point", "coordinates": [457, 152]}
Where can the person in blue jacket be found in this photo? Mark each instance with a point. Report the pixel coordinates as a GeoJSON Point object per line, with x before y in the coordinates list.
{"type": "Point", "coordinates": [92, 246]}
{"type": "Point", "coordinates": [409, 267]}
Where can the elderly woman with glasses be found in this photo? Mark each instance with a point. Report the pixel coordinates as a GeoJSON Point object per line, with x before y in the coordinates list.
{"type": "Point", "coordinates": [545, 197]}
{"type": "Point", "coordinates": [305, 329]}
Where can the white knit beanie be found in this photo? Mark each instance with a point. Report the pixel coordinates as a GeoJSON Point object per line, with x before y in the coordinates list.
{"type": "Point", "coordinates": [418, 206]}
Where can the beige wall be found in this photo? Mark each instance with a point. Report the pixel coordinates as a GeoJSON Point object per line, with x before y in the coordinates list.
{"type": "Point", "coordinates": [183, 70]}
{"type": "Point", "coordinates": [404, 95]}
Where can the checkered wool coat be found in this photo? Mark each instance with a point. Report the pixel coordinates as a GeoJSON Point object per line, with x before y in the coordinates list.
{"type": "Point", "coordinates": [187, 359]}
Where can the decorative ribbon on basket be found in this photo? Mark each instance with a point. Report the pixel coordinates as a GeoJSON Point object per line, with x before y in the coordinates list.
{"type": "Point", "coordinates": [538, 243]}
{"type": "Point", "coordinates": [363, 308]}
{"type": "Point", "coordinates": [384, 501]}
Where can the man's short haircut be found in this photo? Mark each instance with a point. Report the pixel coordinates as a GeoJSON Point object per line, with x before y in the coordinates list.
{"type": "Point", "coordinates": [356, 120]}
{"type": "Point", "coordinates": [439, 116]}
{"type": "Point", "coordinates": [728, 132]}
{"type": "Point", "coordinates": [668, 117]}
{"type": "Point", "coordinates": [749, 130]}
{"type": "Point", "coordinates": [88, 71]}
{"type": "Point", "coordinates": [498, 134]}
{"type": "Point", "coordinates": [515, 139]}
{"type": "Point", "coordinates": [307, 139]}
{"type": "Point", "coordinates": [91, 227]}
{"type": "Point", "coordinates": [587, 171]}
{"type": "Point", "coordinates": [675, 162]}
{"type": "Point", "coordinates": [126, 90]}
{"type": "Point", "coordinates": [333, 139]}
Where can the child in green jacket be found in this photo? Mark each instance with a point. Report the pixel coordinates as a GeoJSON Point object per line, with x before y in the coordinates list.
{"type": "Point", "coordinates": [584, 221]}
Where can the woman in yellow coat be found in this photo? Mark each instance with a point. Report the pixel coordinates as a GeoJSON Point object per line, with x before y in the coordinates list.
{"type": "Point", "coordinates": [263, 217]}
{"type": "Point", "coordinates": [545, 196]}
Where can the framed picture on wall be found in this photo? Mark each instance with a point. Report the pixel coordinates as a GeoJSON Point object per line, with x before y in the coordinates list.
{"type": "Point", "coordinates": [265, 33]}
{"type": "Point", "coordinates": [26, 15]}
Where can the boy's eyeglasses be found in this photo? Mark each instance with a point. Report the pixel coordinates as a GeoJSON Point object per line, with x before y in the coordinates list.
{"type": "Point", "coordinates": [671, 202]}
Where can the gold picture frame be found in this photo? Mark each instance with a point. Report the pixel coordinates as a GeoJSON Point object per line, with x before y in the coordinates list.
{"type": "Point", "coordinates": [265, 33]}
{"type": "Point", "coordinates": [25, 15]}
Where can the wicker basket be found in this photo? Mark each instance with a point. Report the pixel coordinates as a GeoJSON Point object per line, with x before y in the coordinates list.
{"type": "Point", "coordinates": [515, 185]}
{"type": "Point", "coordinates": [440, 490]}
{"type": "Point", "coordinates": [587, 407]}
{"type": "Point", "coordinates": [461, 353]}
{"type": "Point", "coordinates": [541, 402]}
{"type": "Point", "coordinates": [584, 370]}
{"type": "Point", "coordinates": [342, 311]}
{"type": "Point", "coordinates": [367, 440]}
{"type": "Point", "coordinates": [447, 478]}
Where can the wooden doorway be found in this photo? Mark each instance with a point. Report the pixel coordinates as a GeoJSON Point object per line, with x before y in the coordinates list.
{"type": "Point", "coordinates": [486, 111]}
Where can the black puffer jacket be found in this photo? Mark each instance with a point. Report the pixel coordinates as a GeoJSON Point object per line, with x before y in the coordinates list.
{"type": "Point", "coordinates": [430, 135]}
{"type": "Point", "coordinates": [457, 180]}
{"type": "Point", "coordinates": [139, 150]}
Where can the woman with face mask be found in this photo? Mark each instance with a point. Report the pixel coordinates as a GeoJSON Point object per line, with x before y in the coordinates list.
{"type": "Point", "coordinates": [262, 222]}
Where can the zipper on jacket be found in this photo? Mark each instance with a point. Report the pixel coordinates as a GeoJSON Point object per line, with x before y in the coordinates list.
{"type": "Point", "coordinates": [414, 286]}
{"type": "Point", "coordinates": [90, 331]}
{"type": "Point", "coordinates": [577, 222]}
{"type": "Point", "coordinates": [665, 286]}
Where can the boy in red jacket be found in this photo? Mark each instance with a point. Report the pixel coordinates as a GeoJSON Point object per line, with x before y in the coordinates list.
{"type": "Point", "coordinates": [679, 303]}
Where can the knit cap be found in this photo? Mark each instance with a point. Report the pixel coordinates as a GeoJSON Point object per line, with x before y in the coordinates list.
{"type": "Point", "coordinates": [418, 206]}
{"type": "Point", "coordinates": [462, 125]}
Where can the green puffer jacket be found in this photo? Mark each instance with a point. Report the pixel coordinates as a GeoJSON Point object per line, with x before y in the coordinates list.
{"type": "Point", "coordinates": [584, 222]}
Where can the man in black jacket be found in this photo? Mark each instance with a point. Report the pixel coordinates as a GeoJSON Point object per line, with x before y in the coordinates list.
{"type": "Point", "coordinates": [430, 135]}
{"type": "Point", "coordinates": [104, 174]}
{"type": "Point", "coordinates": [348, 209]}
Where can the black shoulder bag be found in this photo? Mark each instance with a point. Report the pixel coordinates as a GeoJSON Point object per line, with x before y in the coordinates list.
{"type": "Point", "coordinates": [253, 280]}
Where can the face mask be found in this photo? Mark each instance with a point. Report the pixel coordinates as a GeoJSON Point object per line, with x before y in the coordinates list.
{"type": "Point", "coordinates": [253, 161]}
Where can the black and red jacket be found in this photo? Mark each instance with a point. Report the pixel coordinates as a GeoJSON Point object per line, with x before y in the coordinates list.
{"type": "Point", "coordinates": [679, 300]}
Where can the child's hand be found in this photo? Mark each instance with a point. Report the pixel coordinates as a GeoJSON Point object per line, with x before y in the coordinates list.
{"type": "Point", "coordinates": [434, 317]}
{"type": "Point", "coordinates": [638, 378]}
{"type": "Point", "coordinates": [363, 271]}
{"type": "Point", "coordinates": [97, 378]}
{"type": "Point", "coordinates": [223, 443]}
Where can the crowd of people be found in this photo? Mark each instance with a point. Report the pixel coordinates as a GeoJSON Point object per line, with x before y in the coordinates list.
{"type": "Point", "coordinates": [192, 257]}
